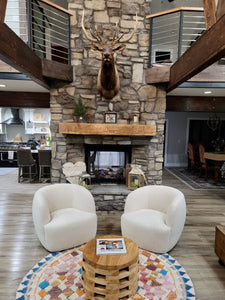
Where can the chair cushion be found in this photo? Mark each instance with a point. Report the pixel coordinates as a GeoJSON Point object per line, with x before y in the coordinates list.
{"type": "Point", "coordinates": [147, 228]}
{"type": "Point", "coordinates": [68, 228]}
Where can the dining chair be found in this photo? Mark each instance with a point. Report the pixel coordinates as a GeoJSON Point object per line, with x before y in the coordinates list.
{"type": "Point", "coordinates": [205, 166]}
{"type": "Point", "coordinates": [27, 165]}
{"type": "Point", "coordinates": [44, 161]}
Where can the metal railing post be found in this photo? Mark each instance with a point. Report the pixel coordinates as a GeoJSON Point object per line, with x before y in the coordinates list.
{"type": "Point", "coordinates": [180, 33]}
{"type": "Point", "coordinates": [69, 43]}
{"type": "Point", "coordinates": [150, 44]}
{"type": "Point", "coordinates": [28, 8]}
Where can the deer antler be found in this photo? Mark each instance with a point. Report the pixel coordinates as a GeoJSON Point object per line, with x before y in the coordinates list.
{"type": "Point", "coordinates": [96, 37]}
{"type": "Point", "coordinates": [118, 40]}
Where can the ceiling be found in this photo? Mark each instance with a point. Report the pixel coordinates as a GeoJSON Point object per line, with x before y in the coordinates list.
{"type": "Point", "coordinates": [21, 86]}
{"type": "Point", "coordinates": [198, 91]}
{"type": "Point", "coordinates": [186, 89]}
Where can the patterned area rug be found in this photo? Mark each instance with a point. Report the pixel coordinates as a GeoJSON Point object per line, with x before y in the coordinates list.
{"type": "Point", "coordinates": [58, 277]}
{"type": "Point", "coordinates": [193, 181]}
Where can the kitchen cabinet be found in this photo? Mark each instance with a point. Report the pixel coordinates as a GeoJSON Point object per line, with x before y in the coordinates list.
{"type": "Point", "coordinates": [37, 121]}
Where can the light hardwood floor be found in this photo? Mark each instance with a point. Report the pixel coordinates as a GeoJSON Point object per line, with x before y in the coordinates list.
{"type": "Point", "coordinates": [20, 249]}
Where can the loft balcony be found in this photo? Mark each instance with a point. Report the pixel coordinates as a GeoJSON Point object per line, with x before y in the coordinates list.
{"type": "Point", "coordinates": [35, 42]}
{"type": "Point", "coordinates": [43, 26]}
{"type": "Point", "coordinates": [171, 34]}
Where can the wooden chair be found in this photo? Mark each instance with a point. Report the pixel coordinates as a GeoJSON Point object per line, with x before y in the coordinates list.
{"type": "Point", "coordinates": [44, 160]}
{"type": "Point", "coordinates": [193, 159]}
{"type": "Point", "coordinates": [26, 164]}
{"type": "Point", "coordinates": [205, 167]}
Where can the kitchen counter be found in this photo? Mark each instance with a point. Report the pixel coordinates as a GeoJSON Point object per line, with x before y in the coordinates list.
{"type": "Point", "coordinates": [8, 153]}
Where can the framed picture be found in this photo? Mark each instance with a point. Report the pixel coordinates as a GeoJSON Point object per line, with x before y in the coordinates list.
{"type": "Point", "coordinates": [110, 118]}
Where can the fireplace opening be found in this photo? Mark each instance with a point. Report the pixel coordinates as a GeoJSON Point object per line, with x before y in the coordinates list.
{"type": "Point", "coordinates": [107, 163]}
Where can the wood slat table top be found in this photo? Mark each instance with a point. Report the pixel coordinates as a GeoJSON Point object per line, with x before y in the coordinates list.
{"type": "Point", "coordinates": [218, 156]}
{"type": "Point", "coordinates": [111, 261]}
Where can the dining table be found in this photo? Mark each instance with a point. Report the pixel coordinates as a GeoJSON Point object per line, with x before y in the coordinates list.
{"type": "Point", "coordinates": [218, 158]}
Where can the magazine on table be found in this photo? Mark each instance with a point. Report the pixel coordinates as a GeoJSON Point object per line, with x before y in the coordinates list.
{"type": "Point", "coordinates": [111, 246]}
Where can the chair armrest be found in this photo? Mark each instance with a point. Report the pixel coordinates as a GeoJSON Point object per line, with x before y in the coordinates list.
{"type": "Point", "coordinates": [40, 213]}
{"type": "Point", "coordinates": [176, 213]}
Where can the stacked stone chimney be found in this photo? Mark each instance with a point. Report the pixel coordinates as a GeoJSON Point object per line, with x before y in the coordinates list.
{"type": "Point", "coordinates": [135, 97]}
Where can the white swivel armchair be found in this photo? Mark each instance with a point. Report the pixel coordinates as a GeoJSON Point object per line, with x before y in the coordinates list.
{"type": "Point", "coordinates": [64, 216]}
{"type": "Point", "coordinates": [154, 217]}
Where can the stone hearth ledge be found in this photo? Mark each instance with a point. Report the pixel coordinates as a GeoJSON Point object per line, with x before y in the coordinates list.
{"type": "Point", "coordinates": [107, 129]}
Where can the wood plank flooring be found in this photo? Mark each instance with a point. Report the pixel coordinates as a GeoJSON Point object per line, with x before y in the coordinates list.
{"type": "Point", "coordinates": [20, 249]}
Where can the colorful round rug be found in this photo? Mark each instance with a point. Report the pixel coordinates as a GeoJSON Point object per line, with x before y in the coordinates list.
{"type": "Point", "coordinates": [58, 277]}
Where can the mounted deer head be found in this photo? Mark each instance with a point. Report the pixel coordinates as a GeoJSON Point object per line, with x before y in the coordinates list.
{"type": "Point", "coordinates": [108, 79]}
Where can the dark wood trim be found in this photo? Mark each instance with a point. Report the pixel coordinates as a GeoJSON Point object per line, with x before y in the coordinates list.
{"type": "Point", "coordinates": [210, 12]}
{"type": "Point", "coordinates": [157, 74]}
{"type": "Point", "coordinates": [195, 104]}
{"type": "Point", "coordinates": [3, 4]}
{"type": "Point", "coordinates": [16, 53]}
{"type": "Point", "coordinates": [24, 99]}
{"type": "Point", "coordinates": [196, 58]}
{"type": "Point", "coordinates": [57, 70]}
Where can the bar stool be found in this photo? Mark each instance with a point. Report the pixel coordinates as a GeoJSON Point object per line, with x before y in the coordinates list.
{"type": "Point", "coordinates": [25, 161]}
{"type": "Point", "coordinates": [44, 160]}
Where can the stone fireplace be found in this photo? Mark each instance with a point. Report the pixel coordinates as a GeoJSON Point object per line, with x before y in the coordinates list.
{"type": "Point", "coordinates": [135, 98]}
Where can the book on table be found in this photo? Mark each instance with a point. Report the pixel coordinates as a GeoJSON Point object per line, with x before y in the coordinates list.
{"type": "Point", "coordinates": [110, 246]}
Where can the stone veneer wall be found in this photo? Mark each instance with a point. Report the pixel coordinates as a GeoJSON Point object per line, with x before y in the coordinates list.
{"type": "Point", "coordinates": [135, 97]}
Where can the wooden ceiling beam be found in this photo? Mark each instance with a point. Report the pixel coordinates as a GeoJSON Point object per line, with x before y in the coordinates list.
{"type": "Point", "coordinates": [3, 4]}
{"type": "Point", "coordinates": [16, 53]}
{"type": "Point", "coordinates": [210, 13]}
{"type": "Point", "coordinates": [24, 99]}
{"type": "Point", "coordinates": [209, 48]}
{"type": "Point", "coordinates": [57, 71]}
{"type": "Point", "coordinates": [220, 9]}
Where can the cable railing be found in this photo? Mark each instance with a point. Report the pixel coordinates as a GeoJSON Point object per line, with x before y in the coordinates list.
{"type": "Point", "coordinates": [172, 32]}
{"type": "Point", "coordinates": [42, 25]}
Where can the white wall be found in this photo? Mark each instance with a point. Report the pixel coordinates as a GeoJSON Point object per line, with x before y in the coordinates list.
{"type": "Point", "coordinates": [176, 136]}
{"type": "Point", "coordinates": [161, 5]}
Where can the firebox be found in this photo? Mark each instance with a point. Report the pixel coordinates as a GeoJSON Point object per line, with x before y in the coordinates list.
{"type": "Point", "coordinates": [107, 163]}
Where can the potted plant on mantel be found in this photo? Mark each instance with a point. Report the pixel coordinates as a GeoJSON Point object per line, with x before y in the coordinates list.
{"type": "Point", "coordinates": [80, 110]}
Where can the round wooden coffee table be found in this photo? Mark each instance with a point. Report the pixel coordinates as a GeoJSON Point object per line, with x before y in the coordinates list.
{"type": "Point", "coordinates": [113, 276]}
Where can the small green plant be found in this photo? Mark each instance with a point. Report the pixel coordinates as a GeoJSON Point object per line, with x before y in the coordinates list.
{"type": "Point", "coordinates": [88, 187]}
{"type": "Point", "coordinates": [79, 108]}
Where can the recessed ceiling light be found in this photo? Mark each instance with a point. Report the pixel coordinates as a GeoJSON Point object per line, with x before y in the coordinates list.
{"type": "Point", "coordinates": [2, 85]}
{"type": "Point", "coordinates": [207, 92]}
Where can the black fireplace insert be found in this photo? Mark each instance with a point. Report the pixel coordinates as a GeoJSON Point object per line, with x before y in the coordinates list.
{"type": "Point", "coordinates": [107, 163]}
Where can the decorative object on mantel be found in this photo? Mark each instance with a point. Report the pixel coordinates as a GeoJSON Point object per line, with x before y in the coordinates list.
{"type": "Point", "coordinates": [107, 129]}
{"type": "Point", "coordinates": [108, 79]}
{"type": "Point", "coordinates": [136, 177]}
{"type": "Point", "coordinates": [80, 110]}
{"type": "Point", "coordinates": [110, 118]}
{"type": "Point", "coordinates": [76, 173]}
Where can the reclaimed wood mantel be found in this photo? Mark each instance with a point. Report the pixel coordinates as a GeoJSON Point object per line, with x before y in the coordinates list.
{"type": "Point", "coordinates": [107, 129]}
